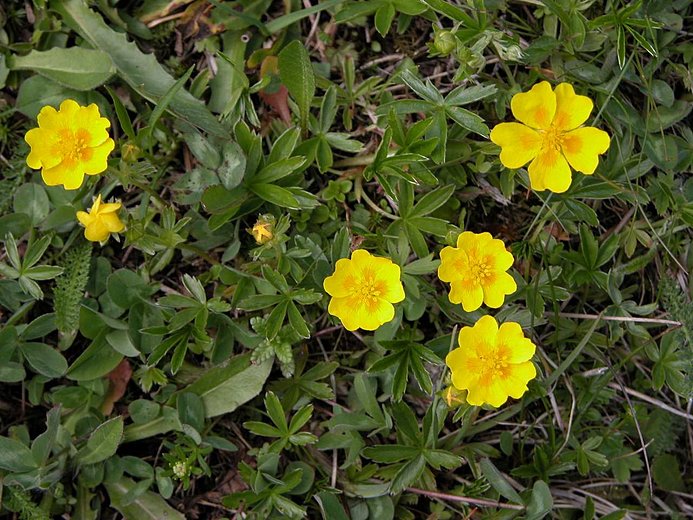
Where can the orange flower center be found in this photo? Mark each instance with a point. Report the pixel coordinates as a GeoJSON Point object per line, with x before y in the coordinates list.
{"type": "Point", "coordinates": [74, 146]}
{"type": "Point", "coordinates": [552, 138]}
{"type": "Point", "coordinates": [493, 362]}
{"type": "Point", "coordinates": [478, 269]}
{"type": "Point", "coordinates": [369, 290]}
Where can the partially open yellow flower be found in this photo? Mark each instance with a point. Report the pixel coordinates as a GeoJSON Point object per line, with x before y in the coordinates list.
{"type": "Point", "coordinates": [69, 143]}
{"type": "Point", "coordinates": [363, 290]}
{"type": "Point", "coordinates": [476, 270]}
{"type": "Point", "coordinates": [263, 229]}
{"type": "Point", "coordinates": [492, 363]}
{"type": "Point", "coordinates": [101, 221]}
{"type": "Point", "coordinates": [551, 136]}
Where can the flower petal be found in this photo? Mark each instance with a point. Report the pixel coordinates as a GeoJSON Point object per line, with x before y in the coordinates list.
{"type": "Point", "coordinates": [89, 119]}
{"type": "Point", "coordinates": [112, 222]}
{"type": "Point", "coordinates": [65, 173]}
{"type": "Point", "coordinates": [486, 329]}
{"type": "Point", "coordinates": [49, 119]}
{"type": "Point", "coordinates": [469, 294]}
{"type": "Point", "coordinates": [342, 282]}
{"type": "Point", "coordinates": [502, 260]}
{"type": "Point", "coordinates": [535, 108]}
{"type": "Point", "coordinates": [388, 281]}
{"type": "Point", "coordinates": [449, 258]}
{"type": "Point", "coordinates": [519, 143]}
{"type": "Point", "coordinates": [361, 258]}
{"type": "Point", "coordinates": [109, 207]}
{"type": "Point", "coordinates": [84, 218]}
{"type": "Point", "coordinates": [571, 110]}
{"type": "Point", "coordinates": [487, 391]}
{"type": "Point", "coordinates": [342, 309]}
{"type": "Point", "coordinates": [582, 148]}
{"type": "Point", "coordinates": [549, 171]}
{"type": "Point", "coordinates": [96, 231]}
{"type": "Point", "coordinates": [43, 144]}
{"type": "Point", "coordinates": [98, 162]}
{"type": "Point", "coordinates": [512, 340]}
{"type": "Point", "coordinates": [494, 294]}
{"type": "Point", "coordinates": [516, 378]}
{"type": "Point", "coordinates": [463, 378]}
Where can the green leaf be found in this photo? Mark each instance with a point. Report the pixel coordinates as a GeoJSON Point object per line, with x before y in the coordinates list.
{"type": "Point", "coordinates": [279, 170]}
{"type": "Point", "coordinates": [296, 73]}
{"type": "Point", "coordinates": [275, 195]}
{"type": "Point", "coordinates": [191, 410]}
{"type": "Point", "coordinates": [433, 200]}
{"type": "Point", "coordinates": [141, 71]}
{"type": "Point", "coordinates": [44, 360]}
{"type": "Point", "coordinates": [95, 362]}
{"type": "Point", "coordinates": [408, 474]}
{"type": "Point", "coordinates": [167, 98]}
{"type": "Point", "coordinates": [127, 288]}
{"type": "Point", "coordinates": [541, 502]}
{"type": "Point", "coordinates": [389, 453]}
{"type": "Point", "coordinates": [468, 120]}
{"type": "Point", "coordinates": [667, 473]}
{"type": "Point", "coordinates": [166, 422]}
{"type": "Point", "coordinates": [103, 442]}
{"type": "Point", "coordinates": [498, 481]}
{"type": "Point", "coordinates": [383, 18]}
{"type": "Point", "coordinates": [275, 411]}
{"type": "Point", "coordinates": [15, 456]}
{"type": "Point", "coordinates": [330, 506]}
{"type": "Point", "coordinates": [32, 199]}
{"type": "Point", "coordinates": [39, 91]}
{"type": "Point", "coordinates": [297, 321]}
{"type": "Point", "coordinates": [11, 372]}
{"type": "Point", "coordinates": [140, 506]}
{"type": "Point", "coordinates": [75, 67]}
{"type": "Point", "coordinates": [282, 22]}
{"type": "Point", "coordinates": [225, 388]}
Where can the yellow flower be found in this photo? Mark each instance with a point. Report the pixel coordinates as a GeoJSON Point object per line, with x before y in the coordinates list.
{"type": "Point", "coordinates": [551, 136]}
{"type": "Point", "coordinates": [476, 270]}
{"type": "Point", "coordinates": [363, 290]}
{"type": "Point", "coordinates": [101, 221]}
{"type": "Point", "coordinates": [492, 363]}
{"type": "Point", "coordinates": [263, 230]}
{"type": "Point", "coordinates": [69, 143]}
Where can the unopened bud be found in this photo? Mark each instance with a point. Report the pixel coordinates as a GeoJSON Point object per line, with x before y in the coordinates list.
{"type": "Point", "coordinates": [444, 42]}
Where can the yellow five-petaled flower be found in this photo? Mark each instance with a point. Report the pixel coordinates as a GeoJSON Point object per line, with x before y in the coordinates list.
{"type": "Point", "coordinates": [101, 220]}
{"type": "Point", "coordinates": [551, 136]}
{"type": "Point", "coordinates": [363, 290]}
{"type": "Point", "coordinates": [476, 270]}
{"type": "Point", "coordinates": [69, 143]}
{"type": "Point", "coordinates": [492, 363]}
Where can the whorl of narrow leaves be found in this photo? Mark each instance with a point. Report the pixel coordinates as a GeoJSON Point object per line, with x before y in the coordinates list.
{"type": "Point", "coordinates": [19, 501]}
{"type": "Point", "coordinates": [69, 289]}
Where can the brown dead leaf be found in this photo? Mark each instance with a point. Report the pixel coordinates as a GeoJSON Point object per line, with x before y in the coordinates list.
{"type": "Point", "coordinates": [118, 379]}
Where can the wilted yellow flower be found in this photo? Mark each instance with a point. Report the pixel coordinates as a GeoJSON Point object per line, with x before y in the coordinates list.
{"type": "Point", "coordinates": [263, 230]}
{"type": "Point", "coordinates": [363, 290]}
{"type": "Point", "coordinates": [492, 363]}
{"type": "Point", "coordinates": [69, 143]}
{"type": "Point", "coordinates": [551, 136]}
{"type": "Point", "coordinates": [476, 270]}
{"type": "Point", "coordinates": [101, 221]}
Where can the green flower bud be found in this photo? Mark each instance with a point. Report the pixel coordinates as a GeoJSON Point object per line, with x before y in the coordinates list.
{"type": "Point", "coordinates": [444, 42]}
